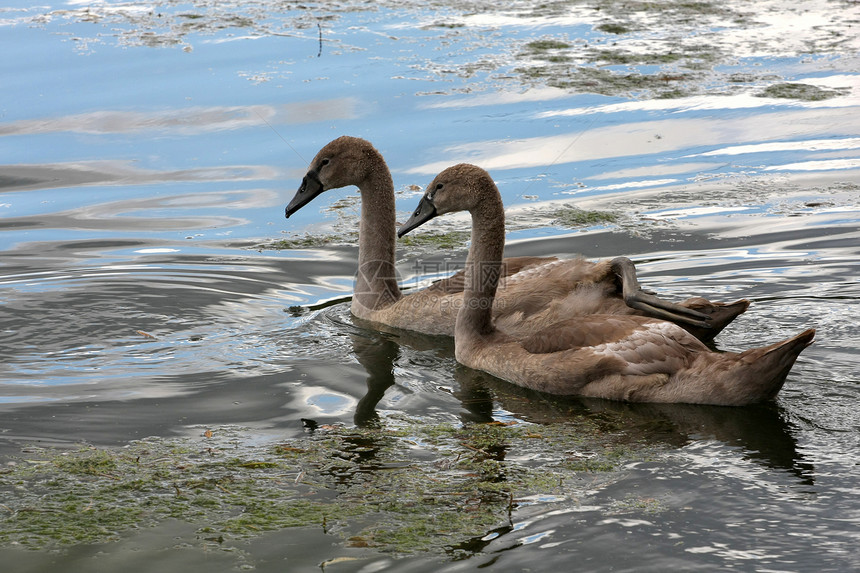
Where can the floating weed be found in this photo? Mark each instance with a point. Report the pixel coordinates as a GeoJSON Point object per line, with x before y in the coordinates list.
{"type": "Point", "coordinates": [607, 82]}
{"type": "Point", "coordinates": [582, 66]}
{"type": "Point", "coordinates": [612, 28]}
{"type": "Point", "coordinates": [622, 58]}
{"type": "Point", "coordinates": [588, 465]}
{"type": "Point", "coordinates": [405, 486]}
{"type": "Point", "coordinates": [88, 462]}
{"type": "Point", "coordinates": [803, 92]}
{"type": "Point", "coordinates": [574, 217]}
{"type": "Point", "coordinates": [638, 504]}
{"type": "Point", "coordinates": [546, 45]}
{"type": "Point", "coordinates": [622, 21]}
{"type": "Point", "coordinates": [308, 242]}
{"type": "Point", "coordinates": [450, 25]}
{"type": "Point", "coordinates": [609, 457]}
{"type": "Point", "coordinates": [440, 240]}
{"type": "Point", "coordinates": [671, 8]}
{"type": "Point", "coordinates": [250, 464]}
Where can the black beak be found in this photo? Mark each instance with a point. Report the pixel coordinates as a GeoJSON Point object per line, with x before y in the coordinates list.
{"type": "Point", "coordinates": [311, 187]}
{"type": "Point", "coordinates": [426, 210]}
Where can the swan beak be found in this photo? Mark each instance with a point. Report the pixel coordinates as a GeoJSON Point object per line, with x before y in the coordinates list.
{"type": "Point", "coordinates": [311, 187]}
{"type": "Point", "coordinates": [426, 210]}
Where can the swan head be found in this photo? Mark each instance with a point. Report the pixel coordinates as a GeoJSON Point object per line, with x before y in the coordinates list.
{"type": "Point", "coordinates": [311, 187]}
{"type": "Point", "coordinates": [458, 188]}
{"type": "Point", "coordinates": [425, 211]}
{"type": "Point", "coordinates": [342, 162]}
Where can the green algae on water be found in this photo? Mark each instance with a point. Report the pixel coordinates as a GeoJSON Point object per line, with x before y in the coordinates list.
{"type": "Point", "coordinates": [404, 487]}
{"type": "Point", "coordinates": [546, 45]}
{"type": "Point", "coordinates": [306, 241]}
{"type": "Point", "coordinates": [574, 217]}
{"type": "Point", "coordinates": [612, 28]}
{"type": "Point", "coordinates": [607, 82]}
{"type": "Point", "coordinates": [803, 92]}
{"type": "Point", "coordinates": [437, 239]}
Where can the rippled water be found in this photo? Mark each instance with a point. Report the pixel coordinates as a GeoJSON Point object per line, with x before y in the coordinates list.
{"type": "Point", "coordinates": [148, 152]}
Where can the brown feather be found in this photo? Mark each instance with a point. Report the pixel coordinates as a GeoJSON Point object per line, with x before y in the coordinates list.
{"type": "Point", "coordinates": [533, 293]}
{"type": "Point", "coordinates": [618, 357]}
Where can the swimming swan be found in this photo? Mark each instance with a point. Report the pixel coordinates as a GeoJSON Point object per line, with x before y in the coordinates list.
{"type": "Point", "coordinates": [535, 291]}
{"type": "Point", "coordinates": [631, 358]}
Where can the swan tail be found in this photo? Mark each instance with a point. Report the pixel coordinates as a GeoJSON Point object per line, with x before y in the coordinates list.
{"type": "Point", "coordinates": [769, 365]}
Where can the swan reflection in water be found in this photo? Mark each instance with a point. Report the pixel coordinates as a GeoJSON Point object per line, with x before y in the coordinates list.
{"type": "Point", "coordinates": [762, 431]}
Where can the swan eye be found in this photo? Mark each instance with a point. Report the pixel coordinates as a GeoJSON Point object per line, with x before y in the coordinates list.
{"type": "Point", "coordinates": [432, 192]}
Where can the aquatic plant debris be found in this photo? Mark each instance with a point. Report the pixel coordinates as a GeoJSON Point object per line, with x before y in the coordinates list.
{"type": "Point", "coordinates": [450, 236]}
{"type": "Point", "coordinates": [439, 240]}
{"type": "Point", "coordinates": [575, 217]}
{"type": "Point", "coordinates": [405, 486]}
{"type": "Point", "coordinates": [624, 48]}
{"type": "Point", "coordinates": [308, 241]}
{"type": "Point", "coordinates": [803, 92]}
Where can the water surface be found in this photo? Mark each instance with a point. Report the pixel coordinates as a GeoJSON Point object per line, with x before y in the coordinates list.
{"type": "Point", "coordinates": [148, 152]}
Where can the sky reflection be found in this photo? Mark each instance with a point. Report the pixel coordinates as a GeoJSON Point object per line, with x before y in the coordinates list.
{"type": "Point", "coordinates": [189, 121]}
{"type": "Point", "coordinates": [661, 136]}
{"type": "Point", "coordinates": [850, 84]}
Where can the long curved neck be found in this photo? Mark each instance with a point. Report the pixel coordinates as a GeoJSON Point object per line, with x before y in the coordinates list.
{"type": "Point", "coordinates": [483, 268]}
{"type": "Point", "coordinates": [376, 281]}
